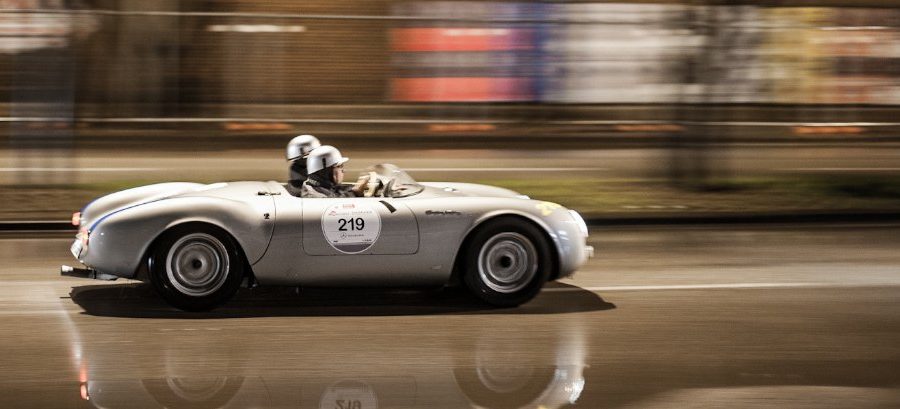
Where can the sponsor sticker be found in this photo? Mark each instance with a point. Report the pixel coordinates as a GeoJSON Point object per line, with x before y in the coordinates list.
{"type": "Point", "coordinates": [351, 227]}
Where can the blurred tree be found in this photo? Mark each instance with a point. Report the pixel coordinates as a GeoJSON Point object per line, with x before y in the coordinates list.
{"type": "Point", "coordinates": [697, 155]}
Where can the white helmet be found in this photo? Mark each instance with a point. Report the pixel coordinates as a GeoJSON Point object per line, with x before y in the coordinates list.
{"type": "Point", "coordinates": [323, 157]}
{"type": "Point", "coordinates": [300, 146]}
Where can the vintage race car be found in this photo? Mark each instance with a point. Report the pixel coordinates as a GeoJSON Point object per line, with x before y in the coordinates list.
{"type": "Point", "coordinates": [197, 244]}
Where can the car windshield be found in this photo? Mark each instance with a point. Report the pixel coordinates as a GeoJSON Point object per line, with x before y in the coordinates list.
{"type": "Point", "coordinates": [398, 182]}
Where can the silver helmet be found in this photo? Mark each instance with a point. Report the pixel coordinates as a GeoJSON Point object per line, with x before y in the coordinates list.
{"type": "Point", "coordinates": [301, 145]}
{"type": "Point", "coordinates": [323, 157]}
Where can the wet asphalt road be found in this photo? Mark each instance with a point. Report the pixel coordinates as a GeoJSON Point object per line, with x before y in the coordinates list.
{"type": "Point", "coordinates": [769, 316]}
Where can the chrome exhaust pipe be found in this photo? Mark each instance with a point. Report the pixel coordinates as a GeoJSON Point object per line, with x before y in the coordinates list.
{"type": "Point", "coordinates": [70, 271]}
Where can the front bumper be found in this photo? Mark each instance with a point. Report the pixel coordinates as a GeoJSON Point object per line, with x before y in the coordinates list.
{"type": "Point", "coordinates": [85, 273]}
{"type": "Point", "coordinates": [79, 250]}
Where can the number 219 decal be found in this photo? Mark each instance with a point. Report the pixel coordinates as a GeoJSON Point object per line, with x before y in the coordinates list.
{"type": "Point", "coordinates": [354, 224]}
{"type": "Point", "coordinates": [351, 227]}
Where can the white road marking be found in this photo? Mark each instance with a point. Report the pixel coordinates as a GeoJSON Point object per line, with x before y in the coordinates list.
{"type": "Point", "coordinates": [35, 312]}
{"type": "Point", "coordinates": [709, 286]}
{"type": "Point", "coordinates": [839, 169]}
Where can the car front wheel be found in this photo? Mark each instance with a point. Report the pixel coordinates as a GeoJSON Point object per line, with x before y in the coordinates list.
{"type": "Point", "coordinates": [196, 267]}
{"type": "Point", "coordinates": [507, 262]}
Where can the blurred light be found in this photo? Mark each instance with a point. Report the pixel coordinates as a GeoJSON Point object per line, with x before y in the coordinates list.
{"type": "Point", "coordinates": [462, 89]}
{"type": "Point", "coordinates": [84, 392]}
{"type": "Point", "coordinates": [254, 28]}
{"type": "Point", "coordinates": [461, 127]}
{"type": "Point", "coordinates": [257, 126]}
{"type": "Point", "coordinates": [820, 130]}
{"type": "Point", "coordinates": [476, 32]}
{"type": "Point", "coordinates": [28, 32]}
{"type": "Point", "coordinates": [857, 28]}
{"type": "Point", "coordinates": [649, 128]}
{"type": "Point", "coordinates": [575, 390]}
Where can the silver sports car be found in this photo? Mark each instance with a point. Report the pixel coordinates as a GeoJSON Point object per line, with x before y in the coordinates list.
{"type": "Point", "coordinates": [197, 244]}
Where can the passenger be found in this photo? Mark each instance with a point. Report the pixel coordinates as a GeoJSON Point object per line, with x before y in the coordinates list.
{"type": "Point", "coordinates": [297, 151]}
{"type": "Point", "coordinates": [325, 165]}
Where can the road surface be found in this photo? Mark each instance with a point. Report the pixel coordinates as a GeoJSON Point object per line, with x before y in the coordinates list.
{"type": "Point", "coordinates": [696, 317]}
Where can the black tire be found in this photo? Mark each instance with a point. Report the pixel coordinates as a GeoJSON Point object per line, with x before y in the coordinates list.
{"type": "Point", "coordinates": [507, 261]}
{"type": "Point", "coordinates": [196, 267]}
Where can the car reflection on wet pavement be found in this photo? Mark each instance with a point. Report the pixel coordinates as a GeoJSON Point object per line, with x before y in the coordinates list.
{"type": "Point", "coordinates": [357, 365]}
{"type": "Point", "coordinates": [485, 377]}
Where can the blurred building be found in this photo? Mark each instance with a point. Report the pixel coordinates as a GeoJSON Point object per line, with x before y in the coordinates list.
{"type": "Point", "coordinates": [193, 58]}
{"type": "Point", "coordinates": [464, 51]}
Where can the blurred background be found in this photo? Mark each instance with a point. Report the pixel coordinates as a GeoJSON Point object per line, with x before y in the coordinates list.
{"type": "Point", "coordinates": [649, 109]}
{"type": "Point", "coordinates": [631, 112]}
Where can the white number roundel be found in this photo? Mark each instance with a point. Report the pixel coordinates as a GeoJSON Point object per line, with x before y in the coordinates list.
{"type": "Point", "coordinates": [351, 227]}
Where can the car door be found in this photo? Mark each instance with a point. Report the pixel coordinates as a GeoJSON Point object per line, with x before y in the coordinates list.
{"type": "Point", "coordinates": [358, 226]}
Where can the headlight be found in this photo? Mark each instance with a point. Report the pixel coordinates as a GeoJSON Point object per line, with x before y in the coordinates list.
{"type": "Point", "coordinates": [580, 222]}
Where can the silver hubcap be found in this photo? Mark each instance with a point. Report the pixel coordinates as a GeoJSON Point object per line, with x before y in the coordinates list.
{"type": "Point", "coordinates": [507, 262]}
{"type": "Point", "coordinates": [197, 264]}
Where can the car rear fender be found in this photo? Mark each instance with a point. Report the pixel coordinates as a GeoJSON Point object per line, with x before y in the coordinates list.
{"type": "Point", "coordinates": [120, 241]}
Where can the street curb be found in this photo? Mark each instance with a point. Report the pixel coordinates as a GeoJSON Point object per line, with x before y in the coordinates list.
{"type": "Point", "coordinates": [604, 221]}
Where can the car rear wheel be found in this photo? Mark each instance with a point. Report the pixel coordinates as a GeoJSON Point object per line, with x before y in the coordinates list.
{"type": "Point", "coordinates": [196, 267]}
{"type": "Point", "coordinates": [507, 262]}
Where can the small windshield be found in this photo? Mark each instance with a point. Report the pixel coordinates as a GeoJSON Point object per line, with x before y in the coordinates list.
{"type": "Point", "coordinates": [398, 182]}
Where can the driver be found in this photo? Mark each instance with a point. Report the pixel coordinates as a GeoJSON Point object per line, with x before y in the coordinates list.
{"type": "Point", "coordinates": [297, 151]}
{"type": "Point", "coordinates": [325, 165]}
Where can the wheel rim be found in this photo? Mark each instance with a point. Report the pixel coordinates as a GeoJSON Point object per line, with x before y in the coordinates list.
{"type": "Point", "coordinates": [507, 262]}
{"type": "Point", "coordinates": [197, 264]}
